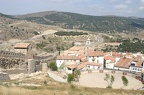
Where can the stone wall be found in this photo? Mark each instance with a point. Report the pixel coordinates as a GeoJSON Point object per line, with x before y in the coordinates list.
{"type": "Point", "coordinates": [4, 76]}
{"type": "Point", "coordinates": [31, 66]}
{"type": "Point", "coordinates": [44, 67]}
{"type": "Point", "coordinates": [11, 54]}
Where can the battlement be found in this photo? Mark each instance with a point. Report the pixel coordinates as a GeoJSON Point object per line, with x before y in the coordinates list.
{"type": "Point", "coordinates": [9, 54]}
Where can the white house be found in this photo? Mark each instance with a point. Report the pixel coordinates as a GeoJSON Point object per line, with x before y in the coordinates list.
{"type": "Point", "coordinates": [96, 57]}
{"type": "Point", "coordinates": [123, 64]}
{"type": "Point", "coordinates": [109, 62]}
{"type": "Point", "coordinates": [67, 60]}
{"type": "Point", "coordinates": [136, 66]}
{"type": "Point", "coordinates": [90, 66]}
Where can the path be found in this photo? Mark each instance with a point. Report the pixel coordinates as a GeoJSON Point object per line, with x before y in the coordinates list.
{"type": "Point", "coordinates": [56, 77]}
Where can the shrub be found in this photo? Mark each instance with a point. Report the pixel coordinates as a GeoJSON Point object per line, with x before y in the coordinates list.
{"type": "Point", "coordinates": [53, 66]}
{"type": "Point", "coordinates": [125, 81]}
{"type": "Point", "coordinates": [70, 78]}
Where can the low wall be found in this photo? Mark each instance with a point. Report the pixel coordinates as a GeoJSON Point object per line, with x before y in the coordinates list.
{"type": "Point", "coordinates": [4, 76]}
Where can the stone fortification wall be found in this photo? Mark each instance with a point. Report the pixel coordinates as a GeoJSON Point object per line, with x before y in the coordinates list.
{"type": "Point", "coordinates": [31, 66]}
{"type": "Point", "coordinates": [4, 76]}
{"type": "Point", "coordinates": [44, 67]}
{"type": "Point", "coordinates": [11, 54]}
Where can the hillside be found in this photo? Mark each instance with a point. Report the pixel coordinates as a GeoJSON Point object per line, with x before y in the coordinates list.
{"type": "Point", "coordinates": [86, 22]}
{"type": "Point", "coordinates": [14, 28]}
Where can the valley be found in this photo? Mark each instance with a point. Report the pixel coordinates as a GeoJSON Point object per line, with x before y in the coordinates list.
{"type": "Point", "coordinates": [92, 45]}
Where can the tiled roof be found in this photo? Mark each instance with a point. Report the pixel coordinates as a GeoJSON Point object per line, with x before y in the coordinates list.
{"type": "Point", "coordinates": [112, 58]}
{"type": "Point", "coordinates": [76, 48]}
{"type": "Point", "coordinates": [139, 63]}
{"type": "Point", "coordinates": [117, 54]}
{"type": "Point", "coordinates": [84, 64]}
{"type": "Point", "coordinates": [81, 66]}
{"type": "Point", "coordinates": [107, 53]}
{"type": "Point", "coordinates": [123, 62]}
{"type": "Point", "coordinates": [68, 57]}
{"type": "Point", "coordinates": [95, 53]}
{"type": "Point", "coordinates": [72, 66]}
{"type": "Point", "coordinates": [82, 56]}
{"type": "Point", "coordinates": [84, 59]}
{"type": "Point", "coordinates": [21, 45]}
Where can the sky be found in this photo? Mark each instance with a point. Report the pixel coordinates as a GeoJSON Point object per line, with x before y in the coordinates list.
{"type": "Point", "coordinates": [88, 7]}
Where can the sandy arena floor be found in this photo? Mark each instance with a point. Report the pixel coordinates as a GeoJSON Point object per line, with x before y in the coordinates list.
{"type": "Point", "coordinates": [96, 79]}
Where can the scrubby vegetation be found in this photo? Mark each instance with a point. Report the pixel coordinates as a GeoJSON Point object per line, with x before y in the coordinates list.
{"type": "Point", "coordinates": [53, 66]}
{"type": "Point", "coordinates": [109, 79]}
{"type": "Point", "coordinates": [125, 81]}
{"type": "Point", "coordinates": [127, 45]}
{"type": "Point", "coordinates": [92, 23]}
{"type": "Point", "coordinates": [61, 33]}
{"type": "Point", "coordinates": [134, 45]}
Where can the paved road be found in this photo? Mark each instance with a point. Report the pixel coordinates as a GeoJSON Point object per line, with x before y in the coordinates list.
{"type": "Point", "coordinates": [99, 40]}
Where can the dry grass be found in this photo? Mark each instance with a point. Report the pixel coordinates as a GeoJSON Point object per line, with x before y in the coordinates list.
{"type": "Point", "coordinates": [64, 89]}
{"type": "Point", "coordinates": [56, 88]}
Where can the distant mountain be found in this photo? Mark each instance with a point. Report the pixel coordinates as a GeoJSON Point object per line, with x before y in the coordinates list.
{"type": "Point", "coordinates": [86, 22]}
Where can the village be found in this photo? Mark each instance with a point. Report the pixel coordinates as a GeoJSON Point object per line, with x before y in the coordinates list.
{"type": "Point", "coordinates": [86, 58]}
{"type": "Point", "coordinates": [81, 57]}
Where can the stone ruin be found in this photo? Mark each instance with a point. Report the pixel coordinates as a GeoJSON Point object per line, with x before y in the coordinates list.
{"type": "Point", "coordinates": [44, 67]}
{"type": "Point", "coordinates": [4, 76]}
{"type": "Point", "coordinates": [17, 63]}
{"type": "Point", "coordinates": [33, 67]}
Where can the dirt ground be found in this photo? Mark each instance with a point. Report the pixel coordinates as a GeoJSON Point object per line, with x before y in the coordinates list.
{"type": "Point", "coordinates": [96, 79]}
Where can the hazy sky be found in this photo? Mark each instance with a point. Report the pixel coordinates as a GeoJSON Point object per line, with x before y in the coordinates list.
{"type": "Point", "coordinates": [90, 7]}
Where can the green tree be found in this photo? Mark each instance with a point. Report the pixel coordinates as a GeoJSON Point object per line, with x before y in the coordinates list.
{"type": "Point", "coordinates": [125, 81]}
{"type": "Point", "coordinates": [53, 66]}
{"type": "Point", "coordinates": [109, 79]}
{"type": "Point", "coordinates": [76, 75]}
{"type": "Point", "coordinates": [70, 78]}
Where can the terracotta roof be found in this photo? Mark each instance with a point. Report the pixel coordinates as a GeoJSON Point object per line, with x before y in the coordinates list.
{"type": "Point", "coordinates": [82, 56]}
{"type": "Point", "coordinates": [81, 52]}
{"type": "Point", "coordinates": [68, 57]}
{"type": "Point", "coordinates": [139, 63]}
{"type": "Point", "coordinates": [95, 53]}
{"type": "Point", "coordinates": [107, 53]}
{"type": "Point", "coordinates": [76, 48]}
{"type": "Point", "coordinates": [84, 64]}
{"type": "Point", "coordinates": [81, 66]}
{"type": "Point", "coordinates": [72, 66]}
{"type": "Point", "coordinates": [112, 58]}
{"type": "Point", "coordinates": [83, 59]}
{"type": "Point", "coordinates": [117, 54]}
{"type": "Point", "coordinates": [123, 62]}
{"type": "Point", "coordinates": [21, 45]}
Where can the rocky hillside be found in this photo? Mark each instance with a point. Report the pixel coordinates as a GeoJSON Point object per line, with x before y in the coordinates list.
{"type": "Point", "coordinates": [86, 22]}
{"type": "Point", "coordinates": [14, 28]}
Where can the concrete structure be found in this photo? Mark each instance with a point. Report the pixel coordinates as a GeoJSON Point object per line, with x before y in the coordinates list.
{"type": "Point", "coordinates": [25, 48]}
{"type": "Point", "coordinates": [31, 66]}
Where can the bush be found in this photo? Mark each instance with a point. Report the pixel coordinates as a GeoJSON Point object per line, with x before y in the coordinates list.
{"type": "Point", "coordinates": [125, 81]}
{"type": "Point", "coordinates": [70, 78]}
{"type": "Point", "coordinates": [61, 33]}
{"type": "Point", "coordinates": [53, 66]}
